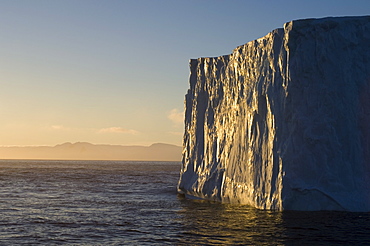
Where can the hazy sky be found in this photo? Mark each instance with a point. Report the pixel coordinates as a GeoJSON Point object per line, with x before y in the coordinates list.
{"type": "Point", "coordinates": [116, 72]}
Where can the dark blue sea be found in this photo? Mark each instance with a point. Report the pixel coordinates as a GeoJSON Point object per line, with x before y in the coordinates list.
{"type": "Point", "coordinates": [135, 203]}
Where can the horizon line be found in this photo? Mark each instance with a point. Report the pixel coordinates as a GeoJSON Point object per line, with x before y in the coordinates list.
{"type": "Point", "coordinates": [82, 142]}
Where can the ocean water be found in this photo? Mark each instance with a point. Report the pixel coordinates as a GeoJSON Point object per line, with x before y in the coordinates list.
{"type": "Point", "coordinates": [135, 203]}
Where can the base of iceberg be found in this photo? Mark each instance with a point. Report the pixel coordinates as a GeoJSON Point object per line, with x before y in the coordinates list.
{"type": "Point", "coordinates": [283, 122]}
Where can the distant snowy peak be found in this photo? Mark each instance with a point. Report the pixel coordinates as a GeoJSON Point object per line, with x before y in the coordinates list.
{"type": "Point", "coordinates": [283, 122]}
{"type": "Point", "coordinates": [88, 151]}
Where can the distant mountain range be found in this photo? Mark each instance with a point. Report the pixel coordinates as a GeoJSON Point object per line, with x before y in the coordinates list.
{"type": "Point", "coordinates": [88, 151]}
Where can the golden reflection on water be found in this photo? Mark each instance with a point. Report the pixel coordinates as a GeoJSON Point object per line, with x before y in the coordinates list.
{"type": "Point", "coordinates": [208, 222]}
{"type": "Point", "coordinates": [212, 223]}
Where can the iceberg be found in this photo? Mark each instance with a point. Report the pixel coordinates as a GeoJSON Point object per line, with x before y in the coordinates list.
{"type": "Point", "coordinates": [283, 122]}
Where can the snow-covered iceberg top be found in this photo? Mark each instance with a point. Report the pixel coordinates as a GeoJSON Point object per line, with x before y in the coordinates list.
{"type": "Point", "coordinates": [284, 121]}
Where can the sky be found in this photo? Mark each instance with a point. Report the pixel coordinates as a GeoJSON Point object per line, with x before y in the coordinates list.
{"type": "Point", "coordinates": [116, 72]}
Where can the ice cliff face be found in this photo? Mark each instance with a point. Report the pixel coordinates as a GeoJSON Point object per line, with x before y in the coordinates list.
{"type": "Point", "coordinates": [284, 121]}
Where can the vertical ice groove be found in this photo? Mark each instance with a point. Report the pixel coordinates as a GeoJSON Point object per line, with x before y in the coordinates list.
{"type": "Point", "coordinates": [283, 122]}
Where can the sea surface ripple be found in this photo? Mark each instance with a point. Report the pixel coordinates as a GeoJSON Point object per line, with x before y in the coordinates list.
{"type": "Point", "coordinates": [45, 202]}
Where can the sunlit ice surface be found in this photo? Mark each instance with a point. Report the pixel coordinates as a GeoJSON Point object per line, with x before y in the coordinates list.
{"type": "Point", "coordinates": [282, 123]}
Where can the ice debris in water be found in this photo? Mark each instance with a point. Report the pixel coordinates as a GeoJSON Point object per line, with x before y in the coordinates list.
{"type": "Point", "coordinates": [283, 122]}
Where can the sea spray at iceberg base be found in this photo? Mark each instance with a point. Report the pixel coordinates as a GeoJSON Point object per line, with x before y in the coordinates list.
{"type": "Point", "coordinates": [283, 122]}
